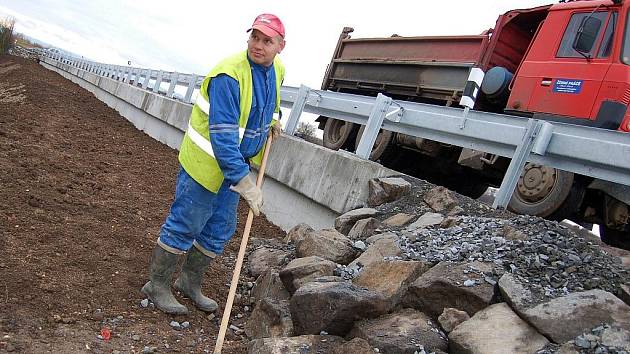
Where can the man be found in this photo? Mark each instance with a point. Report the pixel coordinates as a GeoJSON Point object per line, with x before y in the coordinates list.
{"type": "Point", "coordinates": [228, 127]}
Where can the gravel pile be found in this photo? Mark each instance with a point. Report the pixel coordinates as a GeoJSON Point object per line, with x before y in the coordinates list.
{"type": "Point", "coordinates": [550, 257]}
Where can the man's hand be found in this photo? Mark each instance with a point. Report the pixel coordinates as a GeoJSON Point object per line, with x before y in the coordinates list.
{"type": "Point", "coordinates": [276, 130]}
{"type": "Point", "coordinates": [250, 192]}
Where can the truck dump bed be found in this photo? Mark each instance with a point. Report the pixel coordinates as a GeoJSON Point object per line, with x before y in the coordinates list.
{"type": "Point", "coordinates": [428, 68]}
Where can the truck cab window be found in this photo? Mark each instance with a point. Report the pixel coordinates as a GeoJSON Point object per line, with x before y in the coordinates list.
{"type": "Point", "coordinates": [625, 54]}
{"type": "Point", "coordinates": [566, 46]}
{"type": "Point", "coordinates": [607, 43]}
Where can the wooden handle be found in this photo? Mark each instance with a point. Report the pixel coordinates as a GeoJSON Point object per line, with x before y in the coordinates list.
{"type": "Point", "coordinates": [241, 255]}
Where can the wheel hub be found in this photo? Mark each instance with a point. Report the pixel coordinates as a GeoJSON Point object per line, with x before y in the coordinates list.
{"type": "Point", "coordinates": [536, 182]}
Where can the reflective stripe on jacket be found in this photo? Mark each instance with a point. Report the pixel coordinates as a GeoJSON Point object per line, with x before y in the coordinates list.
{"type": "Point", "coordinates": [196, 153]}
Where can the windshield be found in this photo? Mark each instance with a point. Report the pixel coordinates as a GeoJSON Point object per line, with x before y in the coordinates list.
{"type": "Point", "coordinates": [625, 55]}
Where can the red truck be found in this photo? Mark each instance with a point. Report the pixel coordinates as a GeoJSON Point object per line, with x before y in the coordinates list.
{"type": "Point", "coordinates": [566, 62]}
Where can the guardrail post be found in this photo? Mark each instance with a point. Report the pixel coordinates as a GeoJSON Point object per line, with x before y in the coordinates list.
{"type": "Point", "coordinates": [145, 82]}
{"type": "Point", "coordinates": [374, 123]}
{"type": "Point", "coordinates": [296, 110]}
{"type": "Point", "coordinates": [171, 86]}
{"type": "Point", "coordinates": [191, 88]}
{"type": "Point", "coordinates": [513, 173]}
{"type": "Point", "coordinates": [158, 82]}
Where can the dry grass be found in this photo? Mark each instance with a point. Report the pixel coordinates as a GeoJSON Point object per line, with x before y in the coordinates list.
{"type": "Point", "coordinates": [6, 33]}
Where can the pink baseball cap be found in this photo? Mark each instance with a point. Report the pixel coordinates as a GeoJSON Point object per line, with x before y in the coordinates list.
{"type": "Point", "coordinates": [268, 24]}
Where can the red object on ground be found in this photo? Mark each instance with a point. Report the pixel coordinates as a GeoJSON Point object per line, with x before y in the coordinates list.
{"type": "Point", "coordinates": [106, 333]}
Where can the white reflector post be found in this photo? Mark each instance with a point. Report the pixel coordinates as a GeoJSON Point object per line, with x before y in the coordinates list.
{"type": "Point", "coordinates": [472, 87]}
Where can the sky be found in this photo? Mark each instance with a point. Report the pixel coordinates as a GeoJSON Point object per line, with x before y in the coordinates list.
{"type": "Point", "coordinates": [191, 36]}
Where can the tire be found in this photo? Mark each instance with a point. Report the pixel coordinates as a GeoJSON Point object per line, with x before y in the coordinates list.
{"type": "Point", "coordinates": [338, 134]}
{"type": "Point", "coordinates": [384, 147]}
{"type": "Point", "coordinates": [541, 190]}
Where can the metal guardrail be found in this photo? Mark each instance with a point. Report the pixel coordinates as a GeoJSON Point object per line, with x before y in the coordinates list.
{"type": "Point", "coordinates": [598, 153]}
{"type": "Point", "coordinates": [148, 79]}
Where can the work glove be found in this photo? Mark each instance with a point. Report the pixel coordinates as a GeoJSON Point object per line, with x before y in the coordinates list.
{"type": "Point", "coordinates": [250, 192]}
{"type": "Point", "coordinates": [276, 130]}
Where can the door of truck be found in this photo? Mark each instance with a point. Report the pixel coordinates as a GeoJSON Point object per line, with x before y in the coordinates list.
{"type": "Point", "coordinates": [567, 82]}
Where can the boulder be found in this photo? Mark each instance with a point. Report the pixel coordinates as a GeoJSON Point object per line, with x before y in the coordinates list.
{"type": "Point", "coordinates": [514, 293]}
{"type": "Point", "coordinates": [440, 199]}
{"type": "Point", "coordinates": [390, 278]}
{"type": "Point", "coordinates": [496, 329]}
{"type": "Point", "coordinates": [345, 222]}
{"type": "Point", "coordinates": [616, 337]}
{"type": "Point", "coordinates": [381, 247]}
{"type": "Point", "coordinates": [301, 344]}
{"type": "Point", "coordinates": [297, 233]}
{"type": "Point", "coordinates": [355, 346]}
{"type": "Point", "coordinates": [328, 244]}
{"type": "Point", "coordinates": [451, 318]}
{"type": "Point", "coordinates": [269, 285]}
{"type": "Point", "coordinates": [398, 220]}
{"type": "Point", "coordinates": [386, 189]}
{"type": "Point", "coordinates": [333, 307]}
{"type": "Point", "coordinates": [270, 318]}
{"type": "Point", "coordinates": [303, 270]}
{"type": "Point", "coordinates": [401, 332]}
{"type": "Point", "coordinates": [426, 220]}
{"type": "Point", "coordinates": [457, 285]}
{"type": "Point", "coordinates": [264, 258]}
{"type": "Point", "coordinates": [577, 313]}
{"type": "Point", "coordinates": [364, 228]}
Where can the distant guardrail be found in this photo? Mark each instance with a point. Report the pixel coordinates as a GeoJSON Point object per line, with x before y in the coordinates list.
{"type": "Point", "coordinates": [598, 153]}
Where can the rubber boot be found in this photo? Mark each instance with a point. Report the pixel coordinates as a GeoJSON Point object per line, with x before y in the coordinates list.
{"type": "Point", "coordinates": [158, 289]}
{"type": "Point", "coordinates": [189, 281]}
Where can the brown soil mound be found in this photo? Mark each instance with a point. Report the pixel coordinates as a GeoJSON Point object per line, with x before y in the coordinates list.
{"type": "Point", "coordinates": [83, 194]}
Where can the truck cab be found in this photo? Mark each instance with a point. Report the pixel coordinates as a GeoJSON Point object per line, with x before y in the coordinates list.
{"type": "Point", "coordinates": [583, 75]}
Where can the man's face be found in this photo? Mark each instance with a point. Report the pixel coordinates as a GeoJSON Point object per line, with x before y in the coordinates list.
{"type": "Point", "coordinates": [262, 49]}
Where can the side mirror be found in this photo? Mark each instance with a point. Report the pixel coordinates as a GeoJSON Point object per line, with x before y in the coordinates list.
{"type": "Point", "coordinates": [587, 34]}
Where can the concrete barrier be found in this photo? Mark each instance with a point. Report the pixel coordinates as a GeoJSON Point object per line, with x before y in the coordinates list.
{"type": "Point", "coordinates": [306, 182]}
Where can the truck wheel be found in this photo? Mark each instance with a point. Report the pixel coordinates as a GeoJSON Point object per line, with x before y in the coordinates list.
{"type": "Point", "coordinates": [541, 190]}
{"type": "Point", "coordinates": [384, 146]}
{"type": "Point", "coordinates": [337, 134]}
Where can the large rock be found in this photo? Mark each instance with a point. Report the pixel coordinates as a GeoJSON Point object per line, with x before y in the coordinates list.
{"type": "Point", "coordinates": [297, 233]}
{"type": "Point", "coordinates": [309, 344]}
{"type": "Point", "coordinates": [400, 332]}
{"type": "Point", "coordinates": [384, 245]}
{"type": "Point", "coordinates": [355, 346]}
{"type": "Point", "coordinates": [496, 329]}
{"type": "Point", "coordinates": [426, 220]}
{"type": "Point", "coordinates": [345, 222]}
{"type": "Point", "coordinates": [333, 307]}
{"type": "Point", "coordinates": [440, 199]}
{"type": "Point", "coordinates": [398, 220]}
{"type": "Point", "coordinates": [269, 285]}
{"type": "Point", "coordinates": [514, 293]}
{"type": "Point", "coordinates": [264, 258]}
{"type": "Point", "coordinates": [386, 189]}
{"type": "Point", "coordinates": [390, 278]}
{"type": "Point", "coordinates": [457, 285]}
{"type": "Point", "coordinates": [564, 318]}
{"type": "Point", "coordinates": [303, 270]}
{"type": "Point", "coordinates": [363, 228]}
{"type": "Point", "coordinates": [451, 318]}
{"type": "Point", "coordinates": [270, 318]}
{"type": "Point", "coordinates": [328, 244]}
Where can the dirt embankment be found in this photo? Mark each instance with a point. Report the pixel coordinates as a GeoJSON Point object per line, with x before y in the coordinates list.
{"type": "Point", "coordinates": [83, 194]}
